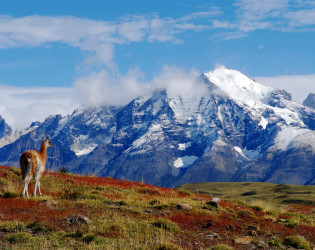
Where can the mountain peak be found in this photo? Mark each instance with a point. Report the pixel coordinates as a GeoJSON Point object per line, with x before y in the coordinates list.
{"type": "Point", "coordinates": [310, 101]}
{"type": "Point", "coordinates": [5, 129]}
{"type": "Point", "coordinates": [237, 86]}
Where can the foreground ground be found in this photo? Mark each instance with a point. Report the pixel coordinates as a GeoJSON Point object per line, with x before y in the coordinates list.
{"type": "Point", "coordinates": [103, 213]}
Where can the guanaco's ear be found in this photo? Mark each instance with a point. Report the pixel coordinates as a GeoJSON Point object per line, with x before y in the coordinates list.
{"type": "Point", "coordinates": [44, 138]}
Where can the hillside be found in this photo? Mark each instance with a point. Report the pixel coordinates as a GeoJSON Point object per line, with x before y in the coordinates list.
{"type": "Point", "coordinates": [93, 212]}
{"type": "Point", "coordinates": [269, 193]}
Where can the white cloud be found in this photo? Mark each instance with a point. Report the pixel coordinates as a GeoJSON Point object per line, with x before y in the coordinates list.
{"type": "Point", "coordinates": [301, 18]}
{"type": "Point", "coordinates": [298, 85]}
{"type": "Point", "coordinates": [134, 30]}
{"type": "Point", "coordinates": [99, 38]}
{"type": "Point", "coordinates": [280, 15]}
{"type": "Point", "coordinates": [203, 14]}
{"type": "Point", "coordinates": [20, 106]}
{"type": "Point", "coordinates": [101, 88]}
{"type": "Point", "coordinates": [177, 81]}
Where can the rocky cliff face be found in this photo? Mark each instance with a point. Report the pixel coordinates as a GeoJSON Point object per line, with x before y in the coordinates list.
{"type": "Point", "coordinates": [238, 130]}
{"type": "Point", "coordinates": [5, 129]}
{"type": "Point", "coordinates": [310, 101]}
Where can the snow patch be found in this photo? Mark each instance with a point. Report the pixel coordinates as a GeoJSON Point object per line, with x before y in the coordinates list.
{"type": "Point", "coordinates": [248, 154]}
{"type": "Point", "coordinates": [184, 146]}
{"type": "Point", "coordinates": [290, 117]}
{"type": "Point", "coordinates": [79, 151]}
{"type": "Point", "coordinates": [239, 150]}
{"type": "Point", "coordinates": [287, 135]}
{"type": "Point", "coordinates": [306, 140]}
{"type": "Point", "coordinates": [263, 122]}
{"type": "Point", "coordinates": [185, 108]}
{"type": "Point", "coordinates": [251, 154]}
{"type": "Point", "coordinates": [157, 106]}
{"type": "Point", "coordinates": [186, 161]}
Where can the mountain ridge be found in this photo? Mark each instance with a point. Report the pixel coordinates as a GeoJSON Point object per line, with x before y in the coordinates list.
{"type": "Point", "coordinates": [235, 129]}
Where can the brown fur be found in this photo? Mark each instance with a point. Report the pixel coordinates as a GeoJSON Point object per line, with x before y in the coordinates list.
{"type": "Point", "coordinates": [34, 162]}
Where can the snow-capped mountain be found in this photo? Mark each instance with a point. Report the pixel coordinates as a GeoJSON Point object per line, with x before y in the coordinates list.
{"type": "Point", "coordinates": [238, 130]}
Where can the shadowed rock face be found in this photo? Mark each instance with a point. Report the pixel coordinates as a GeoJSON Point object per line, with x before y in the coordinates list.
{"type": "Point", "coordinates": [239, 131]}
{"type": "Point", "coordinates": [310, 101]}
{"type": "Point", "coordinates": [5, 129]}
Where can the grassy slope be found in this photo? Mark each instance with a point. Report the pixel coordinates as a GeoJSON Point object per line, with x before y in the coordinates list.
{"type": "Point", "coordinates": [274, 194]}
{"type": "Point", "coordinates": [129, 215]}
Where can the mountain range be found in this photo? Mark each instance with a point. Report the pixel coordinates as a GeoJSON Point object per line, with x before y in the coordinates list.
{"type": "Point", "coordinates": [235, 130]}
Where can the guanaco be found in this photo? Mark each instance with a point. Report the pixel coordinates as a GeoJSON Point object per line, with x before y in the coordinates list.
{"type": "Point", "coordinates": [31, 162]}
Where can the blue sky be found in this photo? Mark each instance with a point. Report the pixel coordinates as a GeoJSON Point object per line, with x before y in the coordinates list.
{"type": "Point", "coordinates": [49, 44]}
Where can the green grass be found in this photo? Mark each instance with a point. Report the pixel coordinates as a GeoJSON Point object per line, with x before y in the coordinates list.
{"type": "Point", "coordinates": [275, 194]}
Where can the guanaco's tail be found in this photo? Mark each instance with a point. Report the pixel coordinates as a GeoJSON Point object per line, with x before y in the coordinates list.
{"type": "Point", "coordinates": [25, 162]}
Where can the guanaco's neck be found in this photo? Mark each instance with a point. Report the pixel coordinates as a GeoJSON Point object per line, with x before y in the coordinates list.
{"type": "Point", "coordinates": [43, 150]}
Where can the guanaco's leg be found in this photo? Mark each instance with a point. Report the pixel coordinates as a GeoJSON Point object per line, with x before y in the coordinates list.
{"type": "Point", "coordinates": [26, 182]}
{"type": "Point", "coordinates": [37, 186]}
{"type": "Point", "coordinates": [27, 179]}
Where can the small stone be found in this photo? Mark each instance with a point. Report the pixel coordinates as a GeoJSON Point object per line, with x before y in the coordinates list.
{"type": "Point", "coordinates": [182, 206]}
{"type": "Point", "coordinates": [214, 235]}
{"type": "Point", "coordinates": [252, 233]}
{"type": "Point", "coordinates": [50, 203]}
{"type": "Point", "coordinates": [78, 219]}
{"type": "Point", "coordinates": [252, 228]}
{"type": "Point", "coordinates": [282, 220]}
{"type": "Point", "coordinates": [209, 224]}
{"type": "Point", "coordinates": [244, 240]}
{"type": "Point", "coordinates": [214, 202]}
{"type": "Point", "coordinates": [261, 243]}
{"type": "Point", "coordinates": [230, 227]}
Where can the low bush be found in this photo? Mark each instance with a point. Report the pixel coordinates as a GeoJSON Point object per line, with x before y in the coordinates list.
{"type": "Point", "coordinates": [21, 237]}
{"type": "Point", "coordinates": [12, 226]}
{"type": "Point", "coordinates": [115, 231]}
{"type": "Point", "coordinates": [62, 170]}
{"type": "Point", "coordinates": [9, 195]}
{"type": "Point", "coordinates": [292, 223]}
{"type": "Point", "coordinates": [76, 234]}
{"type": "Point", "coordinates": [276, 242]}
{"type": "Point", "coordinates": [249, 193]}
{"type": "Point", "coordinates": [168, 246]}
{"type": "Point", "coordinates": [154, 202]}
{"type": "Point", "coordinates": [166, 225]}
{"type": "Point", "coordinates": [71, 194]}
{"type": "Point", "coordinates": [221, 247]}
{"type": "Point", "coordinates": [245, 213]}
{"type": "Point", "coordinates": [89, 238]}
{"type": "Point", "coordinates": [3, 181]}
{"type": "Point", "coordinates": [16, 170]}
{"type": "Point", "coordinates": [38, 227]}
{"type": "Point", "coordinates": [185, 192]}
{"type": "Point", "coordinates": [297, 242]}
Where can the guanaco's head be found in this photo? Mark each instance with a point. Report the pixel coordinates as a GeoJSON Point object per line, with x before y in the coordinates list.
{"type": "Point", "coordinates": [47, 142]}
